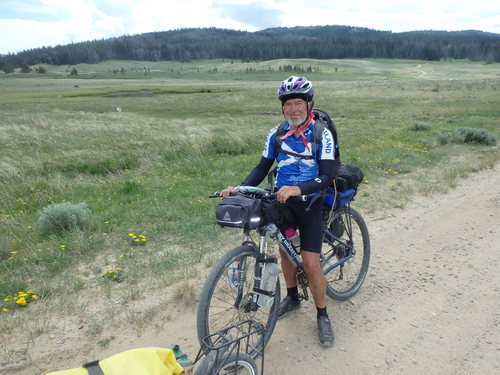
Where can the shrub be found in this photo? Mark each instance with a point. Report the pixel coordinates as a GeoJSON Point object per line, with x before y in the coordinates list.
{"type": "Point", "coordinates": [474, 135]}
{"type": "Point", "coordinates": [467, 135]}
{"type": "Point", "coordinates": [60, 217]}
{"type": "Point", "coordinates": [445, 137]}
{"type": "Point", "coordinates": [419, 126]}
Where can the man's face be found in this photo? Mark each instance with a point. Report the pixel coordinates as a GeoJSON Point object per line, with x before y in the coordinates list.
{"type": "Point", "coordinates": [295, 111]}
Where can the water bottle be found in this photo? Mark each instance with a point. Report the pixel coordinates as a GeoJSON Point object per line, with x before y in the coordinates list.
{"type": "Point", "coordinates": [233, 274]}
{"type": "Point", "coordinates": [182, 359]}
{"type": "Point", "coordinates": [294, 238]}
{"type": "Point", "coordinates": [268, 283]}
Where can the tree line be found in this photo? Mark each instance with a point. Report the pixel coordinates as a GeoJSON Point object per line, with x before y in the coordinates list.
{"type": "Point", "coordinates": [318, 42]}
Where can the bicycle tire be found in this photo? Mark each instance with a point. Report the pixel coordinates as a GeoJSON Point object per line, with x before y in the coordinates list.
{"type": "Point", "coordinates": [234, 363]}
{"type": "Point", "coordinates": [345, 280]}
{"type": "Point", "coordinates": [238, 364]}
{"type": "Point", "coordinates": [217, 308]}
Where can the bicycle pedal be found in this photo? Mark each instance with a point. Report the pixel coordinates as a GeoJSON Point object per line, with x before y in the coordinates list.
{"type": "Point", "coordinates": [303, 297]}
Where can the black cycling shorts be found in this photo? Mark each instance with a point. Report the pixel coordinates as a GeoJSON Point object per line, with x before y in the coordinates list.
{"type": "Point", "coordinates": [308, 218]}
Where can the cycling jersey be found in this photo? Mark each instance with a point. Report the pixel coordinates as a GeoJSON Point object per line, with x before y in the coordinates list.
{"type": "Point", "coordinates": [297, 167]}
{"type": "Point", "coordinates": [296, 162]}
{"type": "Point", "coordinates": [311, 175]}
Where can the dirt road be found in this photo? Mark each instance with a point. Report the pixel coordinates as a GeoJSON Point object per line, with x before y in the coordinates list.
{"type": "Point", "coordinates": [430, 303]}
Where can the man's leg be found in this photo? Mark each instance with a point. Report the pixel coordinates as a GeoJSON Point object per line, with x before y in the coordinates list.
{"type": "Point", "coordinates": [317, 285]}
{"type": "Point", "coordinates": [317, 280]}
{"type": "Point", "coordinates": [289, 271]}
{"type": "Point", "coordinates": [291, 301]}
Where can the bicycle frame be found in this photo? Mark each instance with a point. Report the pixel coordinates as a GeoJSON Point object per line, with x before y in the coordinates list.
{"type": "Point", "coordinates": [273, 231]}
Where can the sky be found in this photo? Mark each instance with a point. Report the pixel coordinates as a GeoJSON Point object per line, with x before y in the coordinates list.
{"type": "Point", "coordinates": [26, 24]}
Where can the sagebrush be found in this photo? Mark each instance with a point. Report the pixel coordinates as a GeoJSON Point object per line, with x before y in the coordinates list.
{"type": "Point", "coordinates": [60, 217]}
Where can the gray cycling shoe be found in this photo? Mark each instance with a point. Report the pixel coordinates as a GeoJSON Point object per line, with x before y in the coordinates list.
{"type": "Point", "coordinates": [326, 335]}
{"type": "Point", "coordinates": [288, 304]}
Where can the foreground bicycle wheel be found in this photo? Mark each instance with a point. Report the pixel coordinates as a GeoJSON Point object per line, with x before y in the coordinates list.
{"type": "Point", "coordinates": [347, 236]}
{"type": "Point", "coordinates": [226, 299]}
{"type": "Point", "coordinates": [234, 363]}
{"type": "Point", "coordinates": [238, 363]}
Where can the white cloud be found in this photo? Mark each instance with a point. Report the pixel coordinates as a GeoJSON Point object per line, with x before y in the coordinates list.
{"type": "Point", "coordinates": [36, 23]}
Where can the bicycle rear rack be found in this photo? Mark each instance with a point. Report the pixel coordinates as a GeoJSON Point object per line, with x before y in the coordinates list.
{"type": "Point", "coordinates": [230, 340]}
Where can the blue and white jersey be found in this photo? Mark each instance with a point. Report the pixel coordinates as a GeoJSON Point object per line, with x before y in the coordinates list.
{"type": "Point", "coordinates": [294, 170]}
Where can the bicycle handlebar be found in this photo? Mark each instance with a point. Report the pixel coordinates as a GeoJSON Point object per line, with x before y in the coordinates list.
{"type": "Point", "coordinates": [262, 193]}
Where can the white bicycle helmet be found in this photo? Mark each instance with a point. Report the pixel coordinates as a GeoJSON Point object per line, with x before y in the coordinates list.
{"type": "Point", "coordinates": [296, 87]}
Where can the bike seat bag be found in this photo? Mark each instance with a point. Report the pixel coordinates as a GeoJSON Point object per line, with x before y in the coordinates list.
{"type": "Point", "coordinates": [239, 211]}
{"type": "Point", "coordinates": [345, 187]}
{"type": "Point", "coordinates": [340, 199]}
{"type": "Point", "coordinates": [348, 177]}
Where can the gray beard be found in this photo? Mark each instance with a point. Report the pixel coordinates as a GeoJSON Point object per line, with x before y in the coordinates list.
{"type": "Point", "coordinates": [298, 122]}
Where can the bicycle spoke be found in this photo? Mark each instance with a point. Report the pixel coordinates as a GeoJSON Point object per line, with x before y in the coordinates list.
{"type": "Point", "coordinates": [225, 302]}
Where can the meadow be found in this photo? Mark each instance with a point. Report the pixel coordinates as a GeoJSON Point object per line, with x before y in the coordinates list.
{"type": "Point", "coordinates": [143, 144]}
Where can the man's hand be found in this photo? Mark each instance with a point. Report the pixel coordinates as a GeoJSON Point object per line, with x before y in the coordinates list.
{"type": "Point", "coordinates": [286, 192]}
{"type": "Point", "coordinates": [228, 191]}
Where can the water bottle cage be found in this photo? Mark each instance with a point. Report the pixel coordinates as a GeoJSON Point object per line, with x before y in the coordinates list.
{"type": "Point", "coordinates": [264, 292]}
{"type": "Point", "coordinates": [264, 258]}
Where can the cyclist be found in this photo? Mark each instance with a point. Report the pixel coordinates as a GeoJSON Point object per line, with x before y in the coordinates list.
{"type": "Point", "coordinates": [300, 173]}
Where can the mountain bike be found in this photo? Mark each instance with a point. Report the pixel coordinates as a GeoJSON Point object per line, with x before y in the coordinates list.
{"type": "Point", "coordinates": [233, 290]}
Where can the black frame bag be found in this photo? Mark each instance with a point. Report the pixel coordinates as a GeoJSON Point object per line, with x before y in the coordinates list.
{"type": "Point", "coordinates": [239, 211]}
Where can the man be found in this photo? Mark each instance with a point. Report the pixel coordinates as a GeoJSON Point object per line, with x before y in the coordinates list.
{"type": "Point", "coordinates": [303, 170]}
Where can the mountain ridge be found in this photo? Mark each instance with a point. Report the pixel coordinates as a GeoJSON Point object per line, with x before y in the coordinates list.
{"type": "Point", "coordinates": [320, 42]}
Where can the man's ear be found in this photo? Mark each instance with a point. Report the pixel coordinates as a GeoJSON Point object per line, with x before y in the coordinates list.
{"type": "Point", "coordinates": [310, 105]}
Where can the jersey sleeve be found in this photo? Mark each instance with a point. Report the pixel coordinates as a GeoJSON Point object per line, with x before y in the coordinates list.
{"type": "Point", "coordinates": [269, 148]}
{"type": "Point", "coordinates": [327, 147]}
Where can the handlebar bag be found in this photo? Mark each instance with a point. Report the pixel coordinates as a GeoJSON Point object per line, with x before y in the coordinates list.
{"type": "Point", "coordinates": [239, 211]}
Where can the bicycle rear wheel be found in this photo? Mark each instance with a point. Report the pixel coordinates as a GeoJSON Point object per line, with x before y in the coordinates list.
{"type": "Point", "coordinates": [238, 364]}
{"type": "Point", "coordinates": [225, 301]}
{"type": "Point", "coordinates": [347, 237]}
{"type": "Point", "coordinates": [234, 363]}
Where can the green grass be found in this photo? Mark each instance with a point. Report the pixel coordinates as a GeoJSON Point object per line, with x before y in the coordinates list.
{"type": "Point", "coordinates": [143, 149]}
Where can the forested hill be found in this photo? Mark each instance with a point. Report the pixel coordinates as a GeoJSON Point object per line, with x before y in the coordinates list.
{"type": "Point", "coordinates": [319, 42]}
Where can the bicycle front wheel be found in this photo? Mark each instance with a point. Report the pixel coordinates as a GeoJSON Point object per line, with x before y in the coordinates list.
{"type": "Point", "coordinates": [349, 247]}
{"type": "Point", "coordinates": [226, 301]}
